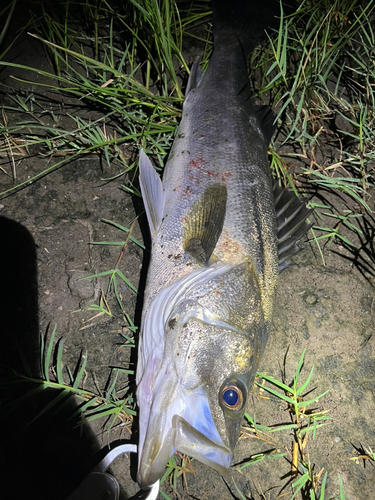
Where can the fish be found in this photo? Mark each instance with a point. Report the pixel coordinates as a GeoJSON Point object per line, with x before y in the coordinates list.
{"type": "Point", "coordinates": [221, 232]}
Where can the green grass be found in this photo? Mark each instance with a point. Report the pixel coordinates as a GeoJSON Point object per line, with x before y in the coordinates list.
{"type": "Point", "coordinates": [132, 112]}
{"type": "Point", "coordinates": [116, 276]}
{"type": "Point", "coordinates": [317, 67]}
{"type": "Point", "coordinates": [305, 420]}
{"type": "Point", "coordinates": [116, 403]}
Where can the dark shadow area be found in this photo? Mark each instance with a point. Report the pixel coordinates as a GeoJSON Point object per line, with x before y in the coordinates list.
{"type": "Point", "coordinates": [144, 227]}
{"type": "Point", "coordinates": [363, 256]}
{"type": "Point", "coordinates": [46, 458]}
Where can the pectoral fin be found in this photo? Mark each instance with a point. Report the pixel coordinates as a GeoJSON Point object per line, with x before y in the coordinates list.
{"type": "Point", "coordinates": [205, 223]}
{"type": "Point", "coordinates": [152, 192]}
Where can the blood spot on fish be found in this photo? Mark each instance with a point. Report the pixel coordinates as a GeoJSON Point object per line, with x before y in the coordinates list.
{"type": "Point", "coordinates": [225, 176]}
{"type": "Point", "coordinates": [197, 163]}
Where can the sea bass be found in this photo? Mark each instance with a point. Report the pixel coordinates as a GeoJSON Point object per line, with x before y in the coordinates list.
{"type": "Point", "coordinates": [221, 230]}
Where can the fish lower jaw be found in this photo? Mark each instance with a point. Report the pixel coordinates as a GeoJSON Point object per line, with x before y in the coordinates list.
{"type": "Point", "coordinates": [186, 439]}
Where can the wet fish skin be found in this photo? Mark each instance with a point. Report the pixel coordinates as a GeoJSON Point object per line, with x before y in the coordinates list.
{"type": "Point", "coordinates": [213, 272]}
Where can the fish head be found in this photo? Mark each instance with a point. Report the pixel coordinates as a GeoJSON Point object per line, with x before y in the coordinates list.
{"type": "Point", "coordinates": [192, 396]}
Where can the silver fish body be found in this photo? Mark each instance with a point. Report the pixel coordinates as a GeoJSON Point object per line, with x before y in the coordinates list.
{"type": "Point", "coordinates": [213, 271]}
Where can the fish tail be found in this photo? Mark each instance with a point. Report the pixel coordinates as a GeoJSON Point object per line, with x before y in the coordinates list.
{"type": "Point", "coordinates": [246, 20]}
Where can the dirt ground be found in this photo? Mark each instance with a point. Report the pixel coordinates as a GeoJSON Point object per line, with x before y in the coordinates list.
{"type": "Point", "coordinates": [47, 230]}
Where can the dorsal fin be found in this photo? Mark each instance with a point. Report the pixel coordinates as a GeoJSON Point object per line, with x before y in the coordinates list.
{"type": "Point", "coordinates": [152, 192]}
{"type": "Point", "coordinates": [291, 215]}
{"type": "Point", "coordinates": [204, 223]}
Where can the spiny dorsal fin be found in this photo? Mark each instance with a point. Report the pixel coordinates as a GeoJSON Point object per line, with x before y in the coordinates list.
{"type": "Point", "coordinates": [152, 192]}
{"type": "Point", "coordinates": [291, 215]}
{"type": "Point", "coordinates": [204, 223]}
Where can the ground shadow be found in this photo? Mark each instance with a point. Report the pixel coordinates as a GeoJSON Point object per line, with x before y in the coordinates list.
{"type": "Point", "coordinates": [46, 458]}
{"type": "Point", "coordinates": [363, 255]}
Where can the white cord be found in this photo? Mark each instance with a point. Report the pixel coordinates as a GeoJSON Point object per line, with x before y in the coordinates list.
{"type": "Point", "coordinates": [116, 452]}
{"type": "Point", "coordinates": [113, 454]}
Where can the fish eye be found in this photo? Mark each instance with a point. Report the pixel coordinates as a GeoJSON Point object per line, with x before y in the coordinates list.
{"type": "Point", "coordinates": [232, 395]}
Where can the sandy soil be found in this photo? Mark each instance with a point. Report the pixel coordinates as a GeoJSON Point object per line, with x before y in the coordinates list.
{"type": "Point", "coordinates": [46, 232]}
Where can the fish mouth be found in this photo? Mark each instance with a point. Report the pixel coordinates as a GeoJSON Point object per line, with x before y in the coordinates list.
{"type": "Point", "coordinates": [186, 439]}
